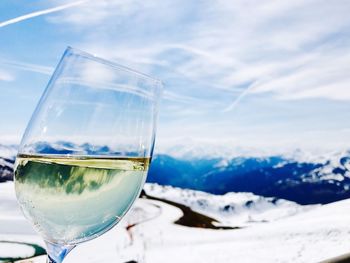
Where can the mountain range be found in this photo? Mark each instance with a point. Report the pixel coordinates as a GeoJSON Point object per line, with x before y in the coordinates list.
{"type": "Point", "coordinates": [325, 181]}
{"type": "Point", "coordinates": [297, 177]}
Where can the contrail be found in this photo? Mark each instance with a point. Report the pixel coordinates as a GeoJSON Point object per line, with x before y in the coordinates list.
{"type": "Point", "coordinates": [40, 13]}
{"type": "Point", "coordinates": [27, 67]}
{"type": "Point", "coordinates": [240, 97]}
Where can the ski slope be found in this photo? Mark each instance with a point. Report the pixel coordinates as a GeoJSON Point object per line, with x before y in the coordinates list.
{"type": "Point", "coordinates": [311, 235]}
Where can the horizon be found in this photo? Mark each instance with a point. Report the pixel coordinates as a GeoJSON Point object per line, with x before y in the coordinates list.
{"type": "Point", "coordinates": [208, 151]}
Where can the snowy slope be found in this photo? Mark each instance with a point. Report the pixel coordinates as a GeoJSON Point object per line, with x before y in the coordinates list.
{"type": "Point", "coordinates": [236, 209]}
{"type": "Point", "coordinates": [309, 236]}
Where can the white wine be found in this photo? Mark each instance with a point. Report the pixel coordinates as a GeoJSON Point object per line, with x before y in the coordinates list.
{"type": "Point", "coordinates": [73, 199]}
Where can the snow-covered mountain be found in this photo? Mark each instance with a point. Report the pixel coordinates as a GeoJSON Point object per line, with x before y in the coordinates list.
{"type": "Point", "coordinates": [316, 180]}
{"type": "Point", "coordinates": [6, 169]}
{"type": "Point", "coordinates": [235, 209]}
{"type": "Point", "coordinates": [300, 176]}
{"type": "Point", "coordinates": [7, 157]}
{"type": "Point", "coordinates": [244, 194]}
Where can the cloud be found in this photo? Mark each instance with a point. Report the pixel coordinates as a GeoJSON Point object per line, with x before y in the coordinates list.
{"type": "Point", "coordinates": [215, 51]}
{"type": "Point", "coordinates": [6, 76]}
{"type": "Point", "coordinates": [257, 71]}
{"type": "Point", "coordinates": [39, 13]}
{"type": "Point", "coordinates": [97, 12]}
{"type": "Point", "coordinates": [27, 66]}
{"type": "Point", "coordinates": [9, 139]}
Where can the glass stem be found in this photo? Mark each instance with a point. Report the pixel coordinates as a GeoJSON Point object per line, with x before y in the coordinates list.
{"type": "Point", "coordinates": [57, 252]}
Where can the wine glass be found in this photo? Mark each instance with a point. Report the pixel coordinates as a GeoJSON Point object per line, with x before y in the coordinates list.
{"type": "Point", "coordinates": [85, 154]}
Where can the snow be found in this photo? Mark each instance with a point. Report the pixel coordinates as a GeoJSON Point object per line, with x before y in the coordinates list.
{"type": "Point", "coordinates": [310, 235]}
{"type": "Point", "coordinates": [334, 177]}
{"type": "Point", "coordinates": [238, 209]}
{"type": "Point", "coordinates": [3, 162]}
{"type": "Point", "coordinates": [12, 221]}
{"type": "Point", "coordinates": [21, 250]}
{"type": "Point", "coordinates": [8, 151]}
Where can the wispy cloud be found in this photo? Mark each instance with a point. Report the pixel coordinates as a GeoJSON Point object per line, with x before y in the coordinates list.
{"type": "Point", "coordinates": [6, 76]}
{"type": "Point", "coordinates": [39, 13]}
{"type": "Point", "coordinates": [168, 95]}
{"type": "Point", "coordinates": [258, 65]}
{"type": "Point", "coordinates": [283, 48]}
{"type": "Point", "coordinates": [323, 76]}
{"type": "Point", "coordinates": [238, 99]}
{"type": "Point", "coordinates": [27, 66]}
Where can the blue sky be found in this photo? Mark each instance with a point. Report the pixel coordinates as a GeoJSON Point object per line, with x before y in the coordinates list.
{"type": "Point", "coordinates": [256, 73]}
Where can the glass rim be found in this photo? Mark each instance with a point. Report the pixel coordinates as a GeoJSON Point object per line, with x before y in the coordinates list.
{"type": "Point", "coordinates": [112, 64]}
